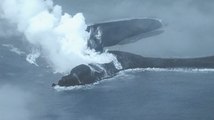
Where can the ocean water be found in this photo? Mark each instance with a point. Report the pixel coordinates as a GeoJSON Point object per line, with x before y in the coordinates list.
{"type": "Point", "coordinates": [148, 94]}
{"type": "Point", "coordinates": [142, 94]}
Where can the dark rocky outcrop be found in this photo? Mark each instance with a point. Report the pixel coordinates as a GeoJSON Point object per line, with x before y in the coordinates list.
{"type": "Point", "coordinates": [87, 74]}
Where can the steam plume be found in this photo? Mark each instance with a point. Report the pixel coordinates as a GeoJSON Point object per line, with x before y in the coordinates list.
{"type": "Point", "coordinates": [61, 37]}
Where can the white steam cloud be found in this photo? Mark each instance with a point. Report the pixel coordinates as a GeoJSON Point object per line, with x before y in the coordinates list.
{"type": "Point", "coordinates": [61, 37]}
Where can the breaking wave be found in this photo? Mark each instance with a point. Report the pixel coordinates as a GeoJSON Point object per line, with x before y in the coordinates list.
{"type": "Point", "coordinates": [190, 70]}
{"type": "Point", "coordinates": [77, 87]}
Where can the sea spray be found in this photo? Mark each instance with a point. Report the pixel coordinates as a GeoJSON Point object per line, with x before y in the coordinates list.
{"type": "Point", "coordinates": [62, 38]}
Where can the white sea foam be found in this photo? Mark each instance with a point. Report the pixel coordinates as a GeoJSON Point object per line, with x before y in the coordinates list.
{"type": "Point", "coordinates": [77, 87]}
{"type": "Point", "coordinates": [61, 37]}
{"type": "Point", "coordinates": [32, 57]}
{"type": "Point", "coordinates": [14, 49]}
{"type": "Point", "coordinates": [170, 70]}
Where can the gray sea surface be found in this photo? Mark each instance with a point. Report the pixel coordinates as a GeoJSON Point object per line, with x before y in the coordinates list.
{"type": "Point", "coordinates": [149, 94]}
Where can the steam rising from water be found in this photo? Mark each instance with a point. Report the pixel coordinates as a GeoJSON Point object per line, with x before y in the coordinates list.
{"type": "Point", "coordinates": [61, 37]}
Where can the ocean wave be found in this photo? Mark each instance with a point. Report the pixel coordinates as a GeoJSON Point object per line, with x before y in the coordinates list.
{"type": "Point", "coordinates": [171, 70]}
{"type": "Point", "coordinates": [76, 87]}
